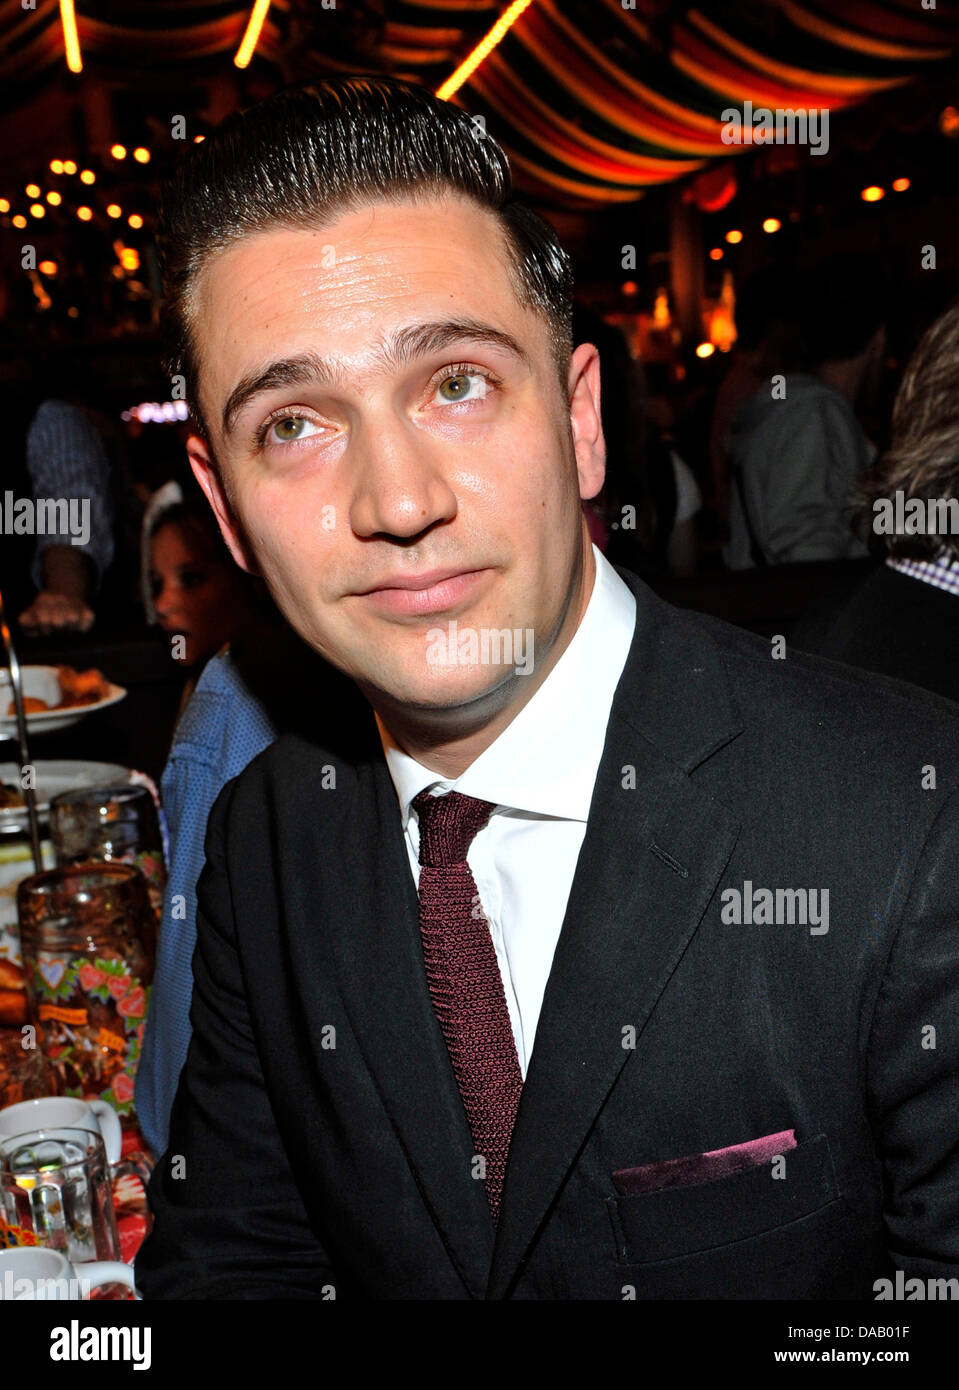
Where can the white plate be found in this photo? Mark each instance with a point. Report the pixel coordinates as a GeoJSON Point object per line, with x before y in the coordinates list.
{"type": "Point", "coordinates": [53, 777]}
{"type": "Point", "coordinates": [43, 683]}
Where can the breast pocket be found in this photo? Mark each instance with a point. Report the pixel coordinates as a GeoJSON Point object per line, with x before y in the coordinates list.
{"type": "Point", "coordinates": [678, 1221]}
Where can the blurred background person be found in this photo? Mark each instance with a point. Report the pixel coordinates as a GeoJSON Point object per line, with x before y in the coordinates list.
{"type": "Point", "coordinates": [644, 516]}
{"type": "Point", "coordinates": [196, 593]}
{"type": "Point", "coordinates": [247, 673]}
{"type": "Point", "coordinates": [797, 447]}
{"type": "Point", "coordinates": [766, 343]}
{"type": "Point", "coordinates": [16, 551]}
{"type": "Point", "coordinates": [902, 619]}
{"type": "Point", "coordinates": [66, 458]}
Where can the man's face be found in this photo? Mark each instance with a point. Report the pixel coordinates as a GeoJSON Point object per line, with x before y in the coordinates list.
{"type": "Point", "coordinates": [382, 407]}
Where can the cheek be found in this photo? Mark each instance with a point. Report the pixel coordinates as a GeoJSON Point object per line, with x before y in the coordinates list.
{"type": "Point", "coordinates": [526, 464]}
{"type": "Point", "coordinates": [536, 486]}
{"type": "Point", "coordinates": [293, 556]}
{"type": "Point", "coordinates": [199, 606]}
{"type": "Point", "coordinates": [279, 516]}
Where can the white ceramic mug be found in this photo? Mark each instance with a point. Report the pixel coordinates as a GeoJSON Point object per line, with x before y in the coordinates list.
{"type": "Point", "coordinates": [35, 1273]}
{"type": "Point", "coordinates": [65, 1112]}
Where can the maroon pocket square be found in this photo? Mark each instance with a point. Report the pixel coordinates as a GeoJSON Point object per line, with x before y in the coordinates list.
{"type": "Point", "coordinates": [695, 1169]}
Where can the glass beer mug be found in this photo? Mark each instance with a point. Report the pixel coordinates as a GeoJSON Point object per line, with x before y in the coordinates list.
{"type": "Point", "coordinates": [55, 1192]}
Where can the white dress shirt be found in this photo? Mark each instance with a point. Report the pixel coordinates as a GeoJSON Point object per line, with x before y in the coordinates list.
{"type": "Point", "coordinates": [540, 774]}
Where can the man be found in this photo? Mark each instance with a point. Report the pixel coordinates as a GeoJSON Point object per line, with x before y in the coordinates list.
{"type": "Point", "coordinates": [796, 448]}
{"type": "Point", "coordinates": [483, 1003]}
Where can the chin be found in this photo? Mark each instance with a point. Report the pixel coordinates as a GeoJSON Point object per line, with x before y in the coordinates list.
{"type": "Point", "coordinates": [443, 688]}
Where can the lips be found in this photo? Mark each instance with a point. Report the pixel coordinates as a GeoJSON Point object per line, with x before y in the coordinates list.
{"type": "Point", "coordinates": [430, 592]}
{"type": "Point", "coordinates": [425, 580]}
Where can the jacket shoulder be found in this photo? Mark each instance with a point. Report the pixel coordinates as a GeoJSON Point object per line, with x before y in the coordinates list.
{"type": "Point", "coordinates": [779, 683]}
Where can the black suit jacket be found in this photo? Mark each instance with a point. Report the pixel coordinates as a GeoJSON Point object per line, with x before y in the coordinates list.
{"type": "Point", "coordinates": [891, 623]}
{"type": "Point", "coordinates": [318, 1140]}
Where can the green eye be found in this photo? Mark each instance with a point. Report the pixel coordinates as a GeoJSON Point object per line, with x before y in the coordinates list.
{"type": "Point", "coordinates": [454, 388]}
{"type": "Point", "coordinates": [289, 428]}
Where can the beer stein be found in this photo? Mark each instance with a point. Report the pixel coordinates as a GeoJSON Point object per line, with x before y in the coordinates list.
{"type": "Point", "coordinates": [55, 1192]}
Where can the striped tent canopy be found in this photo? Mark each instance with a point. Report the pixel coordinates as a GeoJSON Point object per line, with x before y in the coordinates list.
{"type": "Point", "coordinates": [594, 100]}
{"type": "Point", "coordinates": [597, 102]}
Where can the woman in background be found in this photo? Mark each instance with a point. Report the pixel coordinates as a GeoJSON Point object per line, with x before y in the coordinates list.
{"type": "Point", "coordinates": [195, 590]}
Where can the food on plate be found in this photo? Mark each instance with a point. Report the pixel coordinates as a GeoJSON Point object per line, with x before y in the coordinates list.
{"type": "Point", "coordinates": [76, 688]}
{"type": "Point", "coordinates": [10, 795]}
{"type": "Point", "coordinates": [81, 687]}
{"type": "Point", "coordinates": [32, 704]}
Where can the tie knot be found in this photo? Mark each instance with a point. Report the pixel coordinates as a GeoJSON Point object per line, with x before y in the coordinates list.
{"type": "Point", "coordinates": [448, 825]}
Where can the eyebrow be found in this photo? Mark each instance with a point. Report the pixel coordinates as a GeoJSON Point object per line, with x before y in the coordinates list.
{"type": "Point", "coordinates": [402, 348]}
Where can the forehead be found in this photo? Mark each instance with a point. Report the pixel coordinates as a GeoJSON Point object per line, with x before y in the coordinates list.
{"type": "Point", "coordinates": [341, 288]}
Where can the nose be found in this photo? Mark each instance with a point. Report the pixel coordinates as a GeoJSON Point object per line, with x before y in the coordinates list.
{"type": "Point", "coordinates": [401, 487]}
{"type": "Point", "coordinates": [165, 602]}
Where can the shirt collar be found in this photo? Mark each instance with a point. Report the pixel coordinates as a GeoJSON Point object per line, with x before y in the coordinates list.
{"type": "Point", "coordinates": [545, 761]}
{"type": "Point", "coordinates": [942, 571]}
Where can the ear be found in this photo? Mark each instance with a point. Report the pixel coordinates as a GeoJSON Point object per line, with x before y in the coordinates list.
{"type": "Point", "coordinates": [206, 474]}
{"type": "Point", "coordinates": [584, 418]}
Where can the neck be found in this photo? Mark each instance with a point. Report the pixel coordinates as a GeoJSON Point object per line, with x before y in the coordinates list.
{"type": "Point", "coordinates": [448, 741]}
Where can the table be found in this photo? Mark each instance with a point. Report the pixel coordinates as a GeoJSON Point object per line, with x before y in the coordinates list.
{"type": "Point", "coordinates": [129, 1197]}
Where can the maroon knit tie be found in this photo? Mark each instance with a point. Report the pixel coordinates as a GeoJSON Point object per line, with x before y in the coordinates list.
{"type": "Point", "coordinates": [464, 978]}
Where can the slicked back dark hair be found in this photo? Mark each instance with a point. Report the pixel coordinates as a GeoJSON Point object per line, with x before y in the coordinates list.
{"type": "Point", "coordinates": [315, 152]}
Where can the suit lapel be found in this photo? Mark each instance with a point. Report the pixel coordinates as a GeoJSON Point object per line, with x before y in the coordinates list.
{"type": "Point", "coordinates": [651, 858]}
{"type": "Point", "coordinates": [383, 982]}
